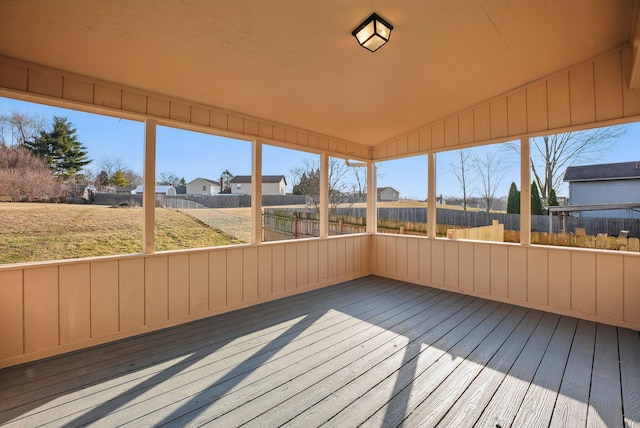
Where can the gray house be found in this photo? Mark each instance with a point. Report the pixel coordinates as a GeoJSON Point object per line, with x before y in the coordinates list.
{"type": "Point", "coordinates": [387, 194]}
{"type": "Point", "coordinates": [610, 183]}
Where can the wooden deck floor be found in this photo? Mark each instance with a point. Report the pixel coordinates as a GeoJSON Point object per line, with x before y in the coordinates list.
{"type": "Point", "coordinates": [372, 352]}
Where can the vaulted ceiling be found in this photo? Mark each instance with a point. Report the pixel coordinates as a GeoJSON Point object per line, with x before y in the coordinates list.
{"type": "Point", "coordinates": [296, 62]}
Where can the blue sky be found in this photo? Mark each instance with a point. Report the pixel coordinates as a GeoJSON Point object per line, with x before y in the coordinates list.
{"type": "Point", "coordinates": [191, 155]}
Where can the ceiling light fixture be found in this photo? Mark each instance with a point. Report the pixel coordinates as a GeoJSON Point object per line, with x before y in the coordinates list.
{"type": "Point", "coordinates": [373, 33]}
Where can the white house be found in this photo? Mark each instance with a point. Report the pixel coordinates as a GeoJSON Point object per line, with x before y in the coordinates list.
{"type": "Point", "coordinates": [160, 190]}
{"type": "Point", "coordinates": [610, 183]}
{"type": "Point", "coordinates": [271, 185]}
{"type": "Point", "coordinates": [203, 186]}
{"type": "Point", "coordinates": [388, 194]}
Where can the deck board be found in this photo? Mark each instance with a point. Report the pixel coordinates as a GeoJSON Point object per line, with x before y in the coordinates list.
{"type": "Point", "coordinates": [498, 354]}
{"type": "Point", "coordinates": [371, 352]}
{"type": "Point", "coordinates": [489, 408]}
{"type": "Point", "coordinates": [605, 401]}
{"type": "Point", "coordinates": [538, 403]}
{"type": "Point", "coordinates": [572, 403]}
{"type": "Point", "coordinates": [629, 343]}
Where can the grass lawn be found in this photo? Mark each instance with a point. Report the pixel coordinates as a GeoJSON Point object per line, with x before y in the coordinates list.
{"type": "Point", "coordinates": [38, 232]}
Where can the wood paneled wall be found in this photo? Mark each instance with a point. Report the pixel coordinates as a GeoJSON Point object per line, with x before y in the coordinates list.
{"type": "Point", "coordinates": [51, 308]}
{"type": "Point", "coordinates": [597, 285]}
{"type": "Point", "coordinates": [591, 94]}
{"type": "Point", "coordinates": [79, 92]}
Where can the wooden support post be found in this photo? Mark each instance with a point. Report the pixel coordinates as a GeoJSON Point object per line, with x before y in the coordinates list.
{"type": "Point", "coordinates": [525, 198]}
{"type": "Point", "coordinates": [431, 196]}
{"type": "Point", "coordinates": [372, 198]}
{"type": "Point", "coordinates": [256, 193]}
{"type": "Point", "coordinates": [324, 195]}
{"type": "Point", "coordinates": [634, 78]}
{"type": "Point", "coordinates": [149, 187]}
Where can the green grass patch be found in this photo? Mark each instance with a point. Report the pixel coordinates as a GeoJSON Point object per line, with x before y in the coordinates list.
{"type": "Point", "coordinates": [37, 232]}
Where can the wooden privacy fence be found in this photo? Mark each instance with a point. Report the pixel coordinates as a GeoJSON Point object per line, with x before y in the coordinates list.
{"type": "Point", "coordinates": [593, 226]}
{"type": "Point", "coordinates": [601, 241]}
{"type": "Point", "coordinates": [287, 224]}
{"type": "Point", "coordinates": [494, 233]}
{"type": "Point", "coordinates": [279, 224]}
{"type": "Point", "coordinates": [282, 224]}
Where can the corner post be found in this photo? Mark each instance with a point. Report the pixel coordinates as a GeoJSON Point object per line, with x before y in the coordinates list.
{"type": "Point", "coordinates": [372, 198]}
{"type": "Point", "coordinates": [525, 192]}
{"type": "Point", "coordinates": [324, 195]}
{"type": "Point", "coordinates": [149, 187]}
{"type": "Point", "coordinates": [431, 195]}
{"type": "Point", "coordinates": [256, 193]}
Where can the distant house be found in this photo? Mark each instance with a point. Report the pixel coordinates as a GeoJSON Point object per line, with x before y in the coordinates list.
{"type": "Point", "coordinates": [271, 185]}
{"type": "Point", "coordinates": [610, 183]}
{"type": "Point", "coordinates": [203, 186]}
{"type": "Point", "coordinates": [124, 189]}
{"type": "Point", "coordinates": [387, 194]}
{"type": "Point", "coordinates": [160, 190]}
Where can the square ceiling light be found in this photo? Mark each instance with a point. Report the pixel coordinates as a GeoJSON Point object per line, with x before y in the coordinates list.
{"type": "Point", "coordinates": [373, 33]}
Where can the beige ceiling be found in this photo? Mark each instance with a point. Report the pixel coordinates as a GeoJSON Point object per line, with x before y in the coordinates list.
{"type": "Point", "coordinates": [295, 61]}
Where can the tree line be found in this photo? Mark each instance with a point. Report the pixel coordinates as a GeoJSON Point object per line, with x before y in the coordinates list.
{"type": "Point", "coordinates": [38, 162]}
{"type": "Point", "coordinates": [346, 185]}
{"type": "Point", "coordinates": [550, 156]}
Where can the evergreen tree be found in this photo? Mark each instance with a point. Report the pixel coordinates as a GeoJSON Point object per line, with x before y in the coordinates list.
{"type": "Point", "coordinates": [119, 179]}
{"type": "Point", "coordinates": [553, 200]}
{"type": "Point", "coordinates": [60, 148]}
{"type": "Point", "coordinates": [536, 203]}
{"type": "Point", "coordinates": [103, 178]}
{"type": "Point", "coordinates": [513, 201]}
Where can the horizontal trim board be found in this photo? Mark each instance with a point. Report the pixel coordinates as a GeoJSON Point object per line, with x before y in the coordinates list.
{"type": "Point", "coordinates": [36, 83]}
{"type": "Point", "coordinates": [588, 95]}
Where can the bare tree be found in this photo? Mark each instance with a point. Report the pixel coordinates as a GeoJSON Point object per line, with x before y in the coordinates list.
{"type": "Point", "coordinates": [24, 175]}
{"type": "Point", "coordinates": [552, 154]}
{"type": "Point", "coordinates": [17, 128]}
{"type": "Point", "coordinates": [360, 180]}
{"type": "Point", "coordinates": [111, 165]}
{"type": "Point", "coordinates": [490, 172]}
{"type": "Point", "coordinates": [108, 167]}
{"type": "Point", "coordinates": [461, 168]}
{"type": "Point", "coordinates": [167, 179]}
{"type": "Point", "coordinates": [132, 178]}
{"type": "Point", "coordinates": [308, 183]}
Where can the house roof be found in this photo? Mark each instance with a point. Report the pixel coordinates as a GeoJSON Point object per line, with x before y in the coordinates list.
{"type": "Point", "coordinates": [605, 171]}
{"type": "Point", "coordinates": [214, 182]}
{"type": "Point", "coordinates": [382, 189]}
{"type": "Point", "coordinates": [159, 189]}
{"type": "Point", "coordinates": [443, 56]}
{"type": "Point", "coordinates": [265, 179]}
